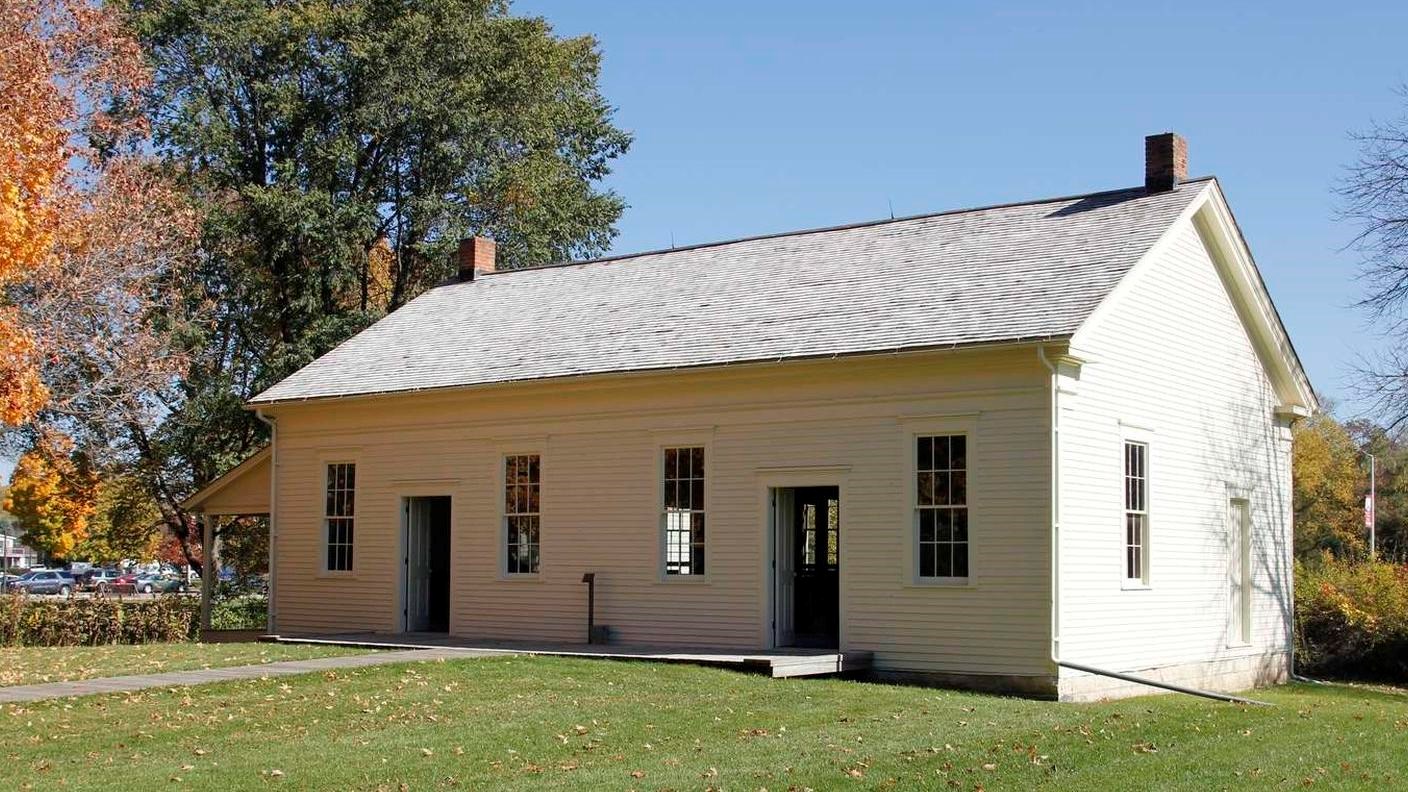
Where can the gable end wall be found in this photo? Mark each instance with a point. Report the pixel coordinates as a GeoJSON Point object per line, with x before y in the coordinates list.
{"type": "Point", "coordinates": [1171, 364]}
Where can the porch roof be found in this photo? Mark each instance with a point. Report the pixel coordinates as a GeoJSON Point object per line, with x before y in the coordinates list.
{"type": "Point", "coordinates": [241, 491]}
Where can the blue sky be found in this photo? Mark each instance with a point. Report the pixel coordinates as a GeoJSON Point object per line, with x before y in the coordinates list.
{"type": "Point", "coordinates": [754, 117]}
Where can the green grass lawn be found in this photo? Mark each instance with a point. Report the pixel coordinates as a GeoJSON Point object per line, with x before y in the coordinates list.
{"type": "Point", "coordinates": [553, 723]}
{"type": "Point", "coordinates": [34, 664]}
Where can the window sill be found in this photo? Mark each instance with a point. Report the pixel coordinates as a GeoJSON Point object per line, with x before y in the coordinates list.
{"type": "Point", "coordinates": [684, 580]}
{"type": "Point", "coordinates": [521, 577]}
{"type": "Point", "coordinates": [336, 574]}
{"type": "Point", "coordinates": [942, 583]}
{"type": "Point", "coordinates": [1135, 585]}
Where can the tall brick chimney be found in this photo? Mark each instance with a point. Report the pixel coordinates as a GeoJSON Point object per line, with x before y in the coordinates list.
{"type": "Point", "coordinates": [1165, 162]}
{"type": "Point", "coordinates": [476, 255]}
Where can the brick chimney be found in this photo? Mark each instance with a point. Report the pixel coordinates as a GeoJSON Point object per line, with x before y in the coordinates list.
{"type": "Point", "coordinates": [476, 255]}
{"type": "Point", "coordinates": [1165, 162]}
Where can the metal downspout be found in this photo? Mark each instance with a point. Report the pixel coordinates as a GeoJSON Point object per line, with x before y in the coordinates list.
{"type": "Point", "coordinates": [1055, 502]}
{"type": "Point", "coordinates": [272, 627]}
{"type": "Point", "coordinates": [1165, 685]}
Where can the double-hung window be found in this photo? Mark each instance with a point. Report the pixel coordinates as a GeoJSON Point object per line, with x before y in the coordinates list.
{"type": "Point", "coordinates": [941, 506]}
{"type": "Point", "coordinates": [684, 510]}
{"type": "Point", "coordinates": [1136, 512]}
{"type": "Point", "coordinates": [339, 515]}
{"type": "Point", "coordinates": [522, 482]}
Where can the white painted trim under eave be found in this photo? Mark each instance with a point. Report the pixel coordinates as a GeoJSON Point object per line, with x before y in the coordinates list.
{"type": "Point", "coordinates": [1234, 257]}
{"type": "Point", "coordinates": [1212, 219]}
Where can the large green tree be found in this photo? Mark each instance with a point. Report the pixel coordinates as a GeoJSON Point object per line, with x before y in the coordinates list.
{"type": "Point", "coordinates": [340, 148]}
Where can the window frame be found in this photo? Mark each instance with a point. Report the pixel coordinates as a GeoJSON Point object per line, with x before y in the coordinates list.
{"type": "Point", "coordinates": [662, 535]}
{"type": "Point", "coordinates": [324, 521]}
{"type": "Point", "coordinates": [504, 453]}
{"type": "Point", "coordinates": [1246, 639]}
{"type": "Point", "coordinates": [1145, 580]}
{"type": "Point", "coordinates": [913, 428]}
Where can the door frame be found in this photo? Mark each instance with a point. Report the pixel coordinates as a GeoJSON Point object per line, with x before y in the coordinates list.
{"type": "Point", "coordinates": [769, 481]}
{"type": "Point", "coordinates": [403, 503]}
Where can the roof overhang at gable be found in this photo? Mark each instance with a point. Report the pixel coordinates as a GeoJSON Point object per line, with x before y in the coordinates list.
{"type": "Point", "coordinates": [1223, 237]}
{"type": "Point", "coordinates": [241, 491]}
{"type": "Point", "coordinates": [1217, 227]}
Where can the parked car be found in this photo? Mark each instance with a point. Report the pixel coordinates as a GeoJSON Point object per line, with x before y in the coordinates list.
{"type": "Point", "coordinates": [45, 582]}
{"type": "Point", "coordinates": [124, 583]}
{"type": "Point", "coordinates": [98, 579]}
{"type": "Point", "coordinates": [161, 584]}
{"type": "Point", "coordinates": [141, 583]}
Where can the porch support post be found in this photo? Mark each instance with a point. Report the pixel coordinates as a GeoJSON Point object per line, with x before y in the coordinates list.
{"type": "Point", "coordinates": [209, 568]}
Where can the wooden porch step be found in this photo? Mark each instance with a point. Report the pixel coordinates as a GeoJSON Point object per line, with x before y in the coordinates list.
{"type": "Point", "coordinates": [814, 665]}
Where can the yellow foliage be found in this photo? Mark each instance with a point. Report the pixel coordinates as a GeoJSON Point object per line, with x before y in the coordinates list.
{"type": "Point", "coordinates": [21, 392]}
{"type": "Point", "coordinates": [53, 494]}
{"type": "Point", "coordinates": [124, 523]}
{"type": "Point", "coordinates": [1329, 511]}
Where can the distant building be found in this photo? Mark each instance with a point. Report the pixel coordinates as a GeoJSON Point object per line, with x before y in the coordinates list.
{"type": "Point", "coordinates": [15, 554]}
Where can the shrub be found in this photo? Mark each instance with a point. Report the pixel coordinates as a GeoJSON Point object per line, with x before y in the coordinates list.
{"type": "Point", "coordinates": [249, 612]}
{"type": "Point", "coordinates": [26, 621]}
{"type": "Point", "coordinates": [1352, 618]}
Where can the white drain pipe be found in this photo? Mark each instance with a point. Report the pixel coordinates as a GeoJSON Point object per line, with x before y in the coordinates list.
{"type": "Point", "coordinates": [1165, 685]}
{"type": "Point", "coordinates": [272, 626]}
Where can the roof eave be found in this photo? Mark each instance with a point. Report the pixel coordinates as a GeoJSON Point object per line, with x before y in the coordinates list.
{"type": "Point", "coordinates": [1050, 338]}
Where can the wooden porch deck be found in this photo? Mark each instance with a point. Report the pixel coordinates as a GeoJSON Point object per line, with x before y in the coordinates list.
{"type": "Point", "coordinates": [774, 662]}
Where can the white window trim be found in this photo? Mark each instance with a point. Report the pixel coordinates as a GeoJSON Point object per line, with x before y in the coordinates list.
{"type": "Point", "coordinates": [325, 460]}
{"type": "Point", "coordinates": [501, 480]}
{"type": "Point", "coordinates": [703, 440]}
{"type": "Point", "coordinates": [1239, 492]}
{"type": "Point", "coordinates": [965, 424]}
{"type": "Point", "coordinates": [1131, 433]}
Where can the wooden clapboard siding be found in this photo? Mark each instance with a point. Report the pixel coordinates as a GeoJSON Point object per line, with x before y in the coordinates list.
{"type": "Point", "coordinates": [600, 441]}
{"type": "Point", "coordinates": [1171, 362]}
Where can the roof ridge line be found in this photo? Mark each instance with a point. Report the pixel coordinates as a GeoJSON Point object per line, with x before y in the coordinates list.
{"type": "Point", "coordinates": [823, 229]}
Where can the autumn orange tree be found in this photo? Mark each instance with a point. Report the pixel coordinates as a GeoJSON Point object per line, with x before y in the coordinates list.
{"type": "Point", "coordinates": [53, 494]}
{"type": "Point", "coordinates": [94, 246]}
{"type": "Point", "coordinates": [59, 59]}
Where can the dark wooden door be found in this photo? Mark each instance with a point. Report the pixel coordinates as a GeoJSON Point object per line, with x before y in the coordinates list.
{"type": "Point", "coordinates": [817, 561]}
{"type": "Point", "coordinates": [439, 610]}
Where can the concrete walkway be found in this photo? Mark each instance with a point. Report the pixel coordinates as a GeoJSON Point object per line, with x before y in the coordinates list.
{"type": "Point", "coordinates": [122, 684]}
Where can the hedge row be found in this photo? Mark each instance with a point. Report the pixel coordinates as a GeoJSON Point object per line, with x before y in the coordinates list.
{"type": "Point", "coordinates": [30, 621]}
{"type": "Point", "coordinates": [33, 621]}
{"type": "Point", "coordinates": [1352, 619]}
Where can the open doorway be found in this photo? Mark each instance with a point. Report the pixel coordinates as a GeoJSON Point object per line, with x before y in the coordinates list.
{"type": "Point", "coordinates": [426, 564]}
{"type": "Point", "coordinates": [807, 560]}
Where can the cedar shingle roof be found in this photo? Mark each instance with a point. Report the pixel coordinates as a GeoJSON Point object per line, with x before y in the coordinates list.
{"type": "Point", "coordinates": [1018, 272]}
